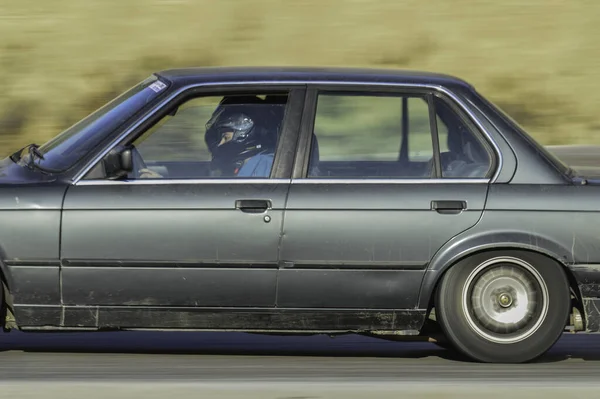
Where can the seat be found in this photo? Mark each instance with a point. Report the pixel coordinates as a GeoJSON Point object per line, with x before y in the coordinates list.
{"type": "Point", "coordinates": [467, 158]}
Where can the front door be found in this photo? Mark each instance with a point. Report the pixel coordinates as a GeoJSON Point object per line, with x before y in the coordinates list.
{"type": "Point", "coordinates": [368, 208]}
{"type": "Point", "coordinates": [181, 231]}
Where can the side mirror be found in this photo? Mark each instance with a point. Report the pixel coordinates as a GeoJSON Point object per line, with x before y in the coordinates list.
{"type": "Point", "coordinates": [173, 112]}
{"type": "Point", "coordinates": [118, 162]}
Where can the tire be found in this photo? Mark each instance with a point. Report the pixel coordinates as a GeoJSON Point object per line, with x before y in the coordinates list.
{"type": "Point", "coordinates": [444, 345]}
{"type": "Point", "coordinates": [526, 311]}
{"type": "Point", "coordinates": [432, 329]}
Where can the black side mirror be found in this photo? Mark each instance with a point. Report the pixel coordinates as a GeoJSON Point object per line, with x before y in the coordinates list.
{"type": "Point", "coordinates": [118, 162]}
{"type": "Point", "coordinates": [173, 112]}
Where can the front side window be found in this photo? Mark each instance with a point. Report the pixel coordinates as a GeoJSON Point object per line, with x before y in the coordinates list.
{"type": "Point", "coordinates": [358, 135]}
{"type": "Point", "coordinates": [232, 136]}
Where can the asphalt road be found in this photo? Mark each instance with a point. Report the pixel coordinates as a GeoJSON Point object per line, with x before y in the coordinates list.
{"type": "Point", "coordinates": [227, 365]}
{"type": "Point", "coordinates": [186, 356]}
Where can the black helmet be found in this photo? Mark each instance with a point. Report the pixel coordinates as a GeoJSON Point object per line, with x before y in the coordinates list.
{"type": "Point", "coordinates": [245, 118]}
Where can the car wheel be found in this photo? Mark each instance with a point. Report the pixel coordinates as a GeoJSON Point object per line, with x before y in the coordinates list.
{"type": "Point", "coordinates": [505, 307]}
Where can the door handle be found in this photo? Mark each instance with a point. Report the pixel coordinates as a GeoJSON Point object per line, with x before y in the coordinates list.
{"type": "Point", "coordinates": [448, 207]}
{"type": "Point", "coordinates": [253, 205]}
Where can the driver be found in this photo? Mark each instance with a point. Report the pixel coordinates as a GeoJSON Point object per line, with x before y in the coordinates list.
{"type": "Point", "coordinates": [241, 135]}
{"type": "Point", "coordinates": [239, 139]}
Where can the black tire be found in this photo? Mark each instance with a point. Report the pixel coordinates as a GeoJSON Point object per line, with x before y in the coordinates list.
{"type": "Point", "coordinates": [444, 345]}
{"type": "Point", "coordinates": [539, 314]}
{"type": "Point", "coordinates": [432, 329]}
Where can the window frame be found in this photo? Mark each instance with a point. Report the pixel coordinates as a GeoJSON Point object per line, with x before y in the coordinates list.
{"type": "Point", "coordinates": [301, 162]}
{"type": "Point", "coordinates": [284, 153]}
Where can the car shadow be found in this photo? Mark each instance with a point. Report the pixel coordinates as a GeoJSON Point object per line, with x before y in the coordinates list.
{"type": "Point", "coordinates": [578, 347]}
{"type": "Point", "coordinates": [222, 343]}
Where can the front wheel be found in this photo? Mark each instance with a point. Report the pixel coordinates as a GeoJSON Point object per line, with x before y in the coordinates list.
{"type": "Point", "coordinates": [503, 306]}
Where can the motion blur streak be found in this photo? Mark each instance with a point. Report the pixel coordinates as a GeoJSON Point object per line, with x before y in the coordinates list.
{"type": "Point", "coordinates": [235, 365]}
{"type": "Point", "coordinates": [538, 59]}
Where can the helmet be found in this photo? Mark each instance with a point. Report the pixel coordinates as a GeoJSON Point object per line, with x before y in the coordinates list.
{"type": "Point", "coordinates": [241, 120]}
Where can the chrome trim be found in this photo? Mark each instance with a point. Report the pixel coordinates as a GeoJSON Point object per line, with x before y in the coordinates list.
{"type": "Point", "coordinates": [146, 182]}
{"type": "Point", "coordinates": [347, 83]}
{"type": "Point", "coordinates": [388, 181]}
{"type": "Point", "coordinates": [151, 182]}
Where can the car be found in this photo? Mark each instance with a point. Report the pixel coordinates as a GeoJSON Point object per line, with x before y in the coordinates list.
{"type": "Point", "coordinates": [303, 200]}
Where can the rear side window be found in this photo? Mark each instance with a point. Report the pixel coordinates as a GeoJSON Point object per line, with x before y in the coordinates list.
{"type": "Point", "coordinates": [358, 135]}
{"type": "Point", "coordinates": [463, 154]}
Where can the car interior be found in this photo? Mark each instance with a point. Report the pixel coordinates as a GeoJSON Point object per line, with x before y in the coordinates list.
{"type": "Point", "coordinates": [465, 157]}
{"type": "Point", "coordinates": [200, 166]}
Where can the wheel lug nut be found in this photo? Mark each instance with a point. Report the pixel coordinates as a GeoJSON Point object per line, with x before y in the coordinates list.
{"type": "Point", "coordinates": [505, 300]}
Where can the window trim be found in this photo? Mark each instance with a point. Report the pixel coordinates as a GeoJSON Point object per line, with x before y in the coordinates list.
{"type": "Point", "coordinates": [156, 182]}
{"type": "Point", "coordinates": [403, 150]}
{"type": "Point", "coordinates": [299, 84]}
{"type": "Point", "coordinates": [481, 135]}
{"type": "Point", "coordinates": [300, 172]}
{"type": "Point", "coordinates": [287, 138]}
{"type": "Point", "coordinates": [435, 138]}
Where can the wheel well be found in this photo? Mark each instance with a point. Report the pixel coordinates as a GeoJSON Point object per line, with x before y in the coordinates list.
{"type": "Point", "coordinates": [576, 299]}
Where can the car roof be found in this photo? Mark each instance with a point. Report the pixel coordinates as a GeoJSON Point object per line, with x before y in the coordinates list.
{"type": "Point", "coordinates": [301, 75]}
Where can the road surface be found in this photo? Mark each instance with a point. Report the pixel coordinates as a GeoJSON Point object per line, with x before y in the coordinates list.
{"type": "Point", "coordinates": [228, 365]}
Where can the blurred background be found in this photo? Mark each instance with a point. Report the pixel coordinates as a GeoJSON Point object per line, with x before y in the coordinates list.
{"type": "Point", "coordinates": [537, 59]}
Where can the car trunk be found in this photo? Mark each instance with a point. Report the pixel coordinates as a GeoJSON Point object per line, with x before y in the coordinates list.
{"type": "Point", "coordinates": [583, 159]}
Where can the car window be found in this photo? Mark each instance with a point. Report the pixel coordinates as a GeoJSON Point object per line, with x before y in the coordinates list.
{"type": "Point", "coordinates": [463, 153]}
{"type": "Point", "coordinates": [212, 137]}
{"type": "Point", "coordinates": [361, 136]}
{"type": "Point", "coordinates": [67, 148]}
{"type": "Point", "coordinates": [389, 136]}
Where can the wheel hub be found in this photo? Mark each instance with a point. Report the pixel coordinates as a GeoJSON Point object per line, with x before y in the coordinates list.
{"type": "Point", "coordinates": [505, 300]}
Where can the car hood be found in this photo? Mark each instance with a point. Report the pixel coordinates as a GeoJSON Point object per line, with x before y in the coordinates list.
{"type": "Point", "coordinates": [15, 174]}
{"type": "Point", "coordinates": [23, 188]}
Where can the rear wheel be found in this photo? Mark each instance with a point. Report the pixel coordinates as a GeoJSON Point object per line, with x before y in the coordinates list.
{"type": "Point", "coordinates": [503, 306]}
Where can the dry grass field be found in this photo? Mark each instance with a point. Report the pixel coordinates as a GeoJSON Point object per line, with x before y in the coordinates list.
{"type": "Point", "coordinates": [538, 59]}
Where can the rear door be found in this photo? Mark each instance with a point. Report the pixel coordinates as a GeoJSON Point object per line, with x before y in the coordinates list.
{"type": "Point", "coordinates": [371, 200]}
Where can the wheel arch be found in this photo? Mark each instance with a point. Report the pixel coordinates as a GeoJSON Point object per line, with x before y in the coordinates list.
{"type": "Point", "coordinates": [450, 256]}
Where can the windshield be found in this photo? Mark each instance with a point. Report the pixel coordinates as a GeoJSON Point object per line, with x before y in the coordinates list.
{"type": "Point", "coordinates": [64, 150]}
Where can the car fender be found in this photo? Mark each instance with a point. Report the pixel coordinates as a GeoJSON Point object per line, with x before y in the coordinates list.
{"type": "Point", "coordinates": [462, 246]}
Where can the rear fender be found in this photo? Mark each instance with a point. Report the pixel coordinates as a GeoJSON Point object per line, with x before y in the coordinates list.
{"type": "Point", "coordinates": [461, 247]}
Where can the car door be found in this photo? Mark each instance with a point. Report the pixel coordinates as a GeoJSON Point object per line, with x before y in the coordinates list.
{"type": "Point", "coordinates": [370, 201]}
{"type": "Point", "coordinates": [174, 235]}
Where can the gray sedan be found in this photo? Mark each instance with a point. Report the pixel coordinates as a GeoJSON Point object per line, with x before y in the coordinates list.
{"type": "Point", "coordinates": [402, 205]}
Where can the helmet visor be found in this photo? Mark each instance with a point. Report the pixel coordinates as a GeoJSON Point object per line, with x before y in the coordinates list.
{"type": "Point", "coordinates": [234, 128]}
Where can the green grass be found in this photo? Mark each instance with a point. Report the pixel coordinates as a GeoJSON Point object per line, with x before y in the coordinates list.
{"type": "Point", "coordinates": [538, 59]}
